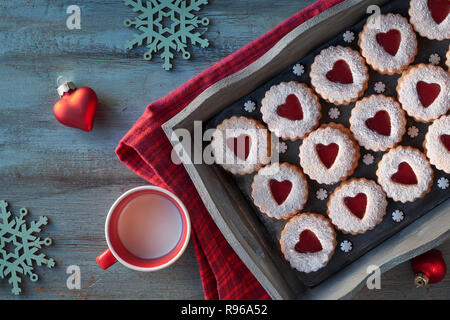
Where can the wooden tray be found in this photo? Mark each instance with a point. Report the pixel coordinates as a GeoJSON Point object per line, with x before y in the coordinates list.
{"type": "Point", "coordinates": [255, 238]}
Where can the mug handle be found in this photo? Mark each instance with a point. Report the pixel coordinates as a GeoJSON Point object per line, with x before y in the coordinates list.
{"type": "Point", "coordinates": [106, 259]}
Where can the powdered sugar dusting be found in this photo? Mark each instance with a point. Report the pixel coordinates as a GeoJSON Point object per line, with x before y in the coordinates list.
{"type": "Point", "coordinates": [388, 166]}
{"type": "Point", "coordinates": [424, 23]}
{"type": "Point", "coordinates": [366, 109]}
{"type": "Point", "coordinates": [263, 198]}
{"type": "Point", "coordinates": [436, 151]}
{"type": "Point", "coordinates": [321, 227]}
{"type": "Point", "coordinates": [376, 55]}
{"type": "Point", "coordinates": [342, 217]}
{"type": "Point", "coordinates": [336, 92]}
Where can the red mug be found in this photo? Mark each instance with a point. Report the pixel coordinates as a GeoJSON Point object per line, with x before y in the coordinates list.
{"type": "Point", "coordinates": [118, 250]}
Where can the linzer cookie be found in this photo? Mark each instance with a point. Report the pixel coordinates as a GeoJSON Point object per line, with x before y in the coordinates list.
{"type": "Point", "coordinates": [339, 75]}
{"type": "Point", "coordinates": [430, 18]}
{"type": "Point", "coordinates": [329, 154]}
{"type": "Point", "coordinates": [308, 241]}
{"type": "Point", "coordinates": [357, 205]}
{"type": "Point", "coordinates": [405, 174]}
{"type": "Point", "coordinates": [280, 190]}
{"type": "Point", "coordinates": [291, 110]}
{"type": "Point", "coordinates": [241, 145]}
{"type": "Point", "coordinates": [378, 122]}
{"type": "Point", "coordinates": [424, 92]}
{"type": "Point", "coordinates": [437, 143]}
{"type": "Point", "coordinates": [388, 43]}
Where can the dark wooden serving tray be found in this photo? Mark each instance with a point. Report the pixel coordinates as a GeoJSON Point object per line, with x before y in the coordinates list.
{"type": "Point", "coordinates": [253, 235]}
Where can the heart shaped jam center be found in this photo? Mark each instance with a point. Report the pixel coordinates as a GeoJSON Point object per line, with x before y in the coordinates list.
{"type": "Point", "coordinates": [308, 242]}
{"type": "Point", "coordinates": [380, 123]}
{"type": "Point", "coordinates": [291, 109]}
{"type": "Point", "coordinates": [428, 92]}
{"type": "Point", "coordinates": [439, 9]}
{"type": "Point", "coordinates": [240, 146]}
{"type": "Point", "coordinates": [357, 205]}
{"type": "Point", "coordinates": [340, 73]}
{"type": "Point", "coordinates": [404, 175]}
{"type": "Point", "coordinates": [390, 41]}
{"type": "Point", "coordinates": [280, 190]}
{"type": "Point", "coordinates": [445, 139]}
{"type": "Point", "coordinates": [327, 154]}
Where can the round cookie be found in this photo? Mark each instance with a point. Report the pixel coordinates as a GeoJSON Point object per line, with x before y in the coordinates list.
{"type": "Point", "coordinates": [430, 18]}
{"type": "Point", "coordinates": [308, 242]}
{"type": "Point", "coordinates": [447, 61]}
{"type": "Point", "coordinates": [378, 122]}
{"type": "Point", "coordinates": [241, 145]}
{"type": "Point", "coordinates": [357, 205]}
{"type": "Point", "coordinates": [424, 91]}
{"type": "Point", "coordinates": [291, 110]}
{"type": "Point", "coordinates": [329, 154]}
{"type": "Point", "coordinates": [405, 174]}
{"type": "Point", "coordinates": [437, 143]}
{"type": "Point", "coordinates": [339, 75]}
{"type": "Point", "coordinates": [280, 190]}
{"type": "Point", "coordinates": [388, 43]}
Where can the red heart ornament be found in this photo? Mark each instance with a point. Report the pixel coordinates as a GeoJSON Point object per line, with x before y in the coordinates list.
{"type": "Point", "coordinates": [327, 154]}
{"type": "Point", "coordinates": [291, 109]}
{"type": "Point", "coordinates": [280, 190]}
{"type": "Point", "coordinates": [404, 175]}
{"type": "Point", "coordinates": [308, 243]}
{"type": "Point", "coordinates": [390, 41]}
{"type": "Point", "coordinates": [357, 205]}
{"type": "Point", "coordinates": [77, 108]}
{"type": "Point", "coordinates": [427, 92]}
{"type": "Point", "coordinates": [240, 146]}
{"type": "Point", "coordinates": [380, 123]}
{"type": "Point", "coordinates": [341, 73]}
{"type": "Point", "coordinates": [439, 9]}
{"type": "Point", "coordinates": [445, 139]}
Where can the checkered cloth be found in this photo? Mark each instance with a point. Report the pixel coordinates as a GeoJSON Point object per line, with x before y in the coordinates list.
{"type": "Point", "coordinates": [146, 150]}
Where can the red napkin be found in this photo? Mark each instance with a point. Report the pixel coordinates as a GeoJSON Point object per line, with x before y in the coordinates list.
{"type": "Point", "coordinates": [146, 150]}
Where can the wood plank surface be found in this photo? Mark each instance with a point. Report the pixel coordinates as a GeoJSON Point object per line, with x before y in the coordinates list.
{"type": "Point", "coordinates": [73, 177]}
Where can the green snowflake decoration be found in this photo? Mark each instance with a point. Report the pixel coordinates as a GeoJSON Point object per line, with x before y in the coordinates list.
{"type": "Point", "coordinates": [166, 25]}
{"type": "Point", "coordinates": [19, 248]}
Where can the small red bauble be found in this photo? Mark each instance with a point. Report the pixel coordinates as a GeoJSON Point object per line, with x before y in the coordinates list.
{"type": "Point", "coordinates": [77, 107]}
{"type": "Point", "coordinates": [429, 267]}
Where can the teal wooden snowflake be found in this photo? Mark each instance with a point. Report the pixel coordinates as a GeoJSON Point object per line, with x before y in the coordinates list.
{"type": "Point", "coordinates": [166, 26]}
{"type": "Point", "coordinates": [19, 248]}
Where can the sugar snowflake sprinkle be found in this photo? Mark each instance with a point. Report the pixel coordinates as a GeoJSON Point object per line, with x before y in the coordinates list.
{"type": "Point", "coordinates": [322, 194]}
{"type": "Point", "coordinates": [368, 159]}
{"type": "Point", "coordinates": [434, 59]}
{"type": "Point", "coordinates": [346, 246]}
{"type": "Point", "coordinates": [298, 69]}
{"type": "Point", "coordinates": [443, 183]}
{"type": "Point", "coordinates": [334, 113]}
{"type": "Point", "coordinates": [379, 87]}
{"type": "Point", "coordinates": [348, 36]}
{"type": "Point", "coordinates": [282, 147]}
{"type": "Point", "coordinates": [249, 106]}
{"type": "Point", "coordinates": [398, 215]}
{"type": "Point", "coordinates": [413, 131]}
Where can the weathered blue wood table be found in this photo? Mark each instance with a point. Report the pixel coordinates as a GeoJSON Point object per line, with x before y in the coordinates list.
{"type": "Point", "coordinates": [73, 176]}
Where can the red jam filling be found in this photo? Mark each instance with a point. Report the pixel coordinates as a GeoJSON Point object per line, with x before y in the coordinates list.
{"type": "Point", "coordinates": [327, 154]}
{"type": "Point", "coordinates": [390, 41]}
{"type": "Point", "coordinates": [445, 139]}
{"type": "Point", "coordinates": [280, 190]}
{"type": "Point", "coordinates": [428, 92]}
{"type": "Point", "coordinates": [240, 146]}
{"type": "Point", "coordinates": [357, 205]}
{"type": "Point", "coordinates": [340, 73]}
{"type": "Point", "coordinates": [405, 175]}
{"type": "Point", "coordinates": [291, 109]}
{"type": "Point", "coordinates": [308, 242]}
{"type": "Point", "coordinates": [439, 9]}
{"type": "Point", "coordinates": [380, 123]}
